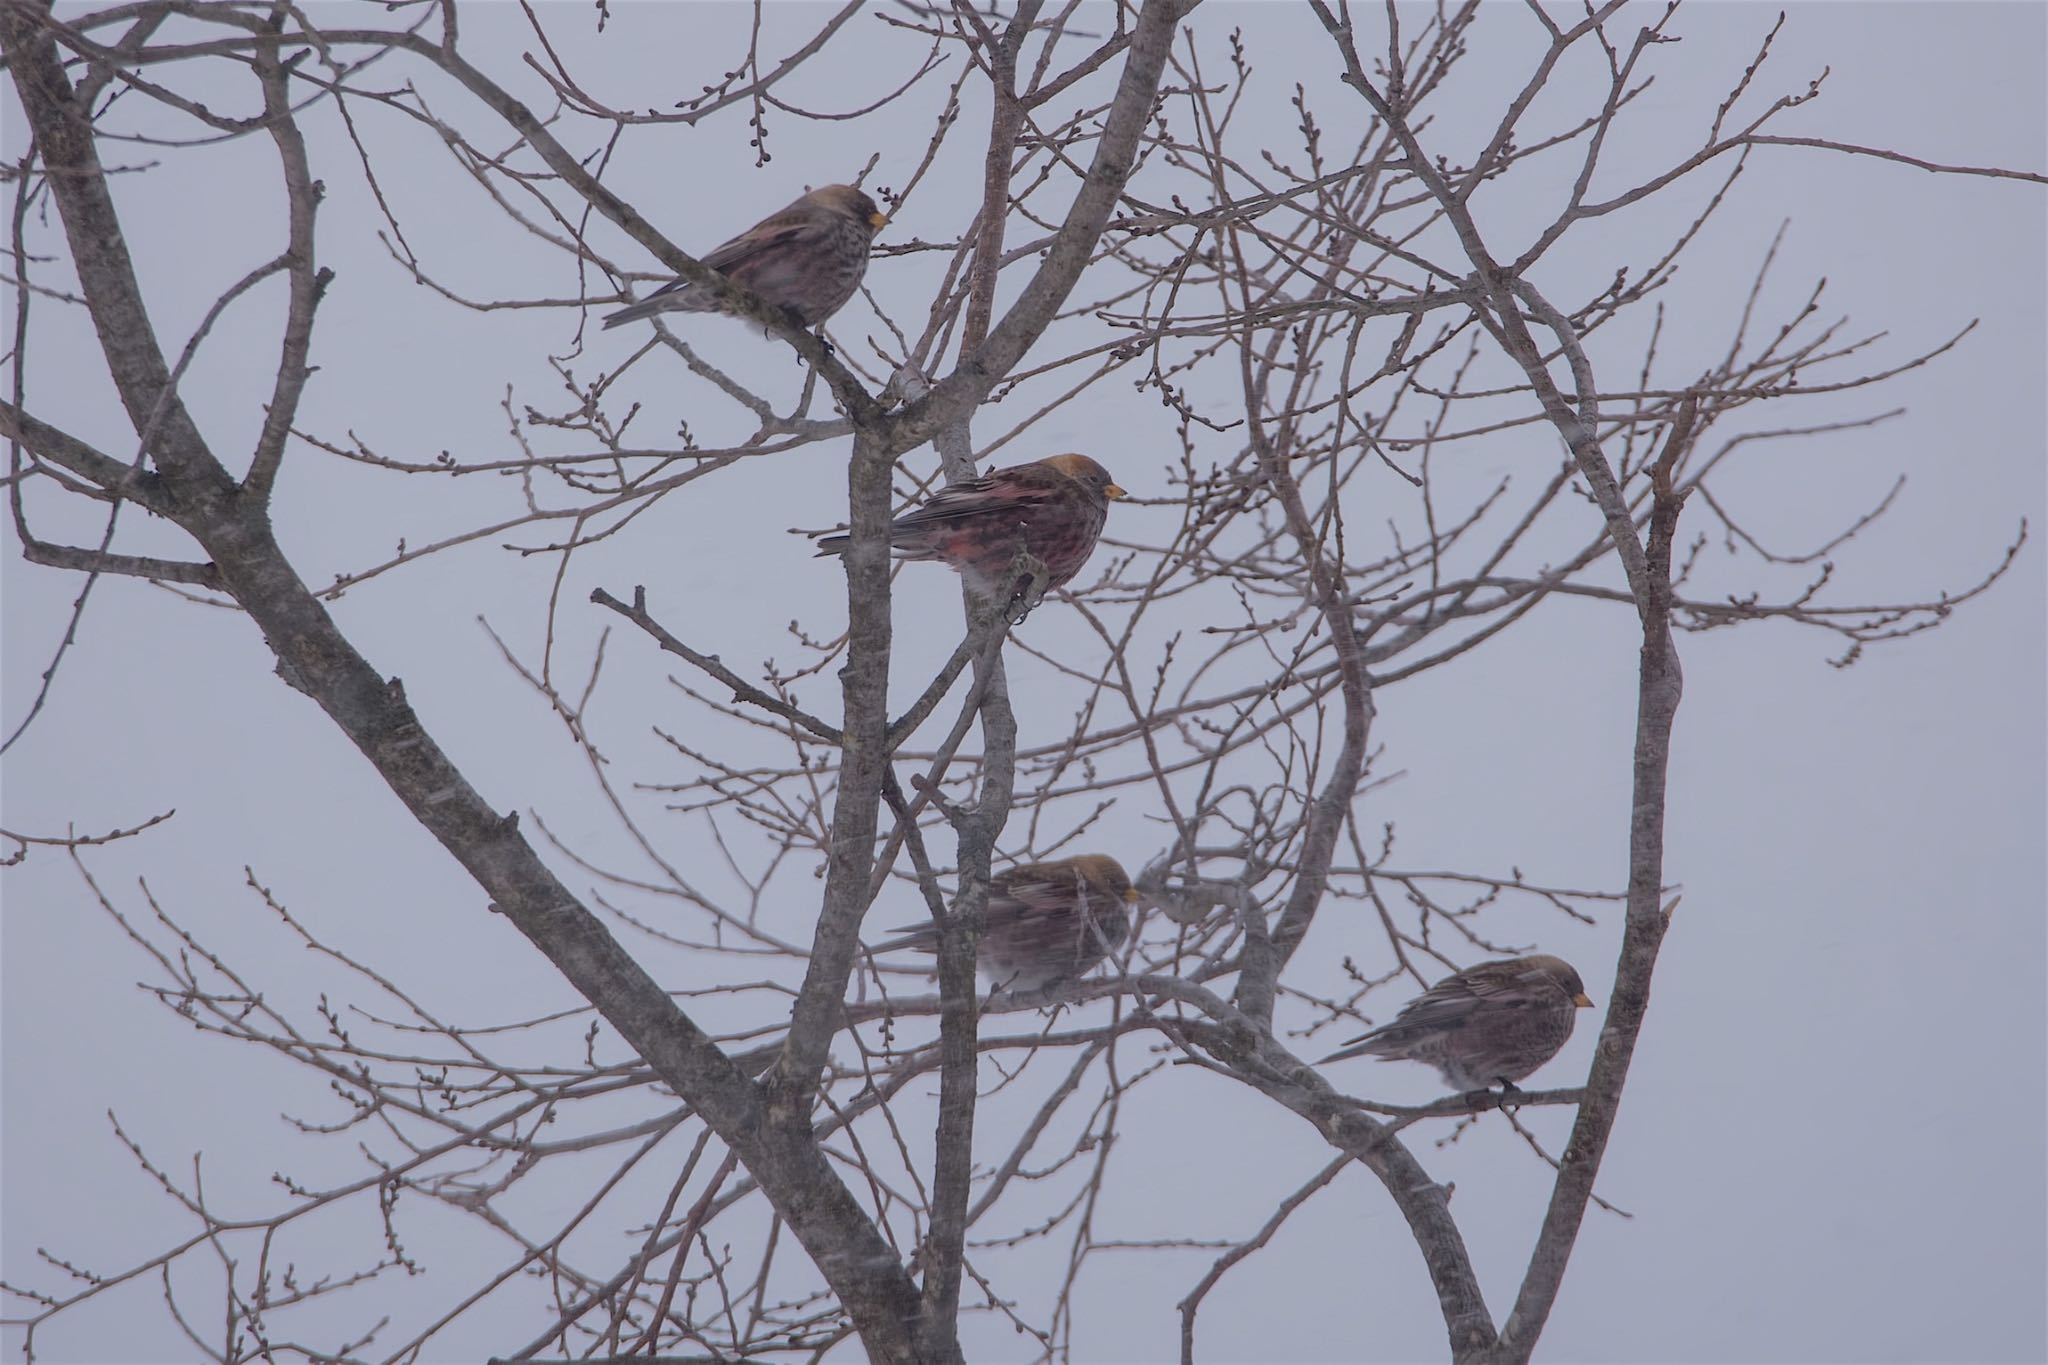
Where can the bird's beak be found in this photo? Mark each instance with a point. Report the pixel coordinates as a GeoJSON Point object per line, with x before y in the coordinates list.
{"type": "Point", "coordinates": [1113, 493]}
{"type": "Point", "coordinates": [878, 220]}
{"type": "Point", "coordinates": [1581, 1001]}
{"type": "Point", "coordinates": [1131, 897]}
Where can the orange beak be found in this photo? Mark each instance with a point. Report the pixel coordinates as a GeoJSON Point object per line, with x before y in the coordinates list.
{"type": "Point", "coordinates": [1581, 1001]}
{"type": "Point", "coordinates": [1113, 493]}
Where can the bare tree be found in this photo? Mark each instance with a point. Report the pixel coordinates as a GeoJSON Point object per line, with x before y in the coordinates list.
{"type": "Point", "coordinates": [1326, 329]}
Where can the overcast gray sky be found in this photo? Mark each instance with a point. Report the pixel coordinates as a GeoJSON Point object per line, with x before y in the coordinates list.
{"type": "Point", "coordinates": [1836, 1130]}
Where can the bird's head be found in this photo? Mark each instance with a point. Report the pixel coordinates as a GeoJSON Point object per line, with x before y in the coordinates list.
{"type": "Point", "coordinates": [846, 200]}
{"type": "Point", "coordinates": [1105, 873]}
{"type": "Point", "coordinates": [1561, 974]}
{"type": "Point", "coordinates": [1085, 470]}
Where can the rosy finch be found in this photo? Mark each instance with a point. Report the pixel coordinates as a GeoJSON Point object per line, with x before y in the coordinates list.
{"type": "Point", "coordinates": [1044, 922]}
{"type": "Point", "coordinates": [807, 259]}
{"type": "Point", "coordinates": [1052, 509]}
{"type": "Point", "coordinates": [1490, 1024]}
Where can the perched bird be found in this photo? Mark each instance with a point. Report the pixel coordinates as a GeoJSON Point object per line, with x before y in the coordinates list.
{"type": "Point", "coordinates": [1490, 1024]}
{"type": "Point", "coordinates": [1052, 509]}
{"type": "Point", "coordinates": [1044, 922]}
{"type": "Point", "coordinates": [808, 258]}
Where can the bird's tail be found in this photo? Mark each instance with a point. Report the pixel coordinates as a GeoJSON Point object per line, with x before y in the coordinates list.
{"type": "Point", "coordinates": [924, 940]}
{"type": "Point", "coordinates": [1379, 1043]}
{"type": "Point", "coordinates": [634, 312]}
{"type": "Point", "coordinates": [836, 544]}
{"type": "Point", "coordinates": [677, 296]}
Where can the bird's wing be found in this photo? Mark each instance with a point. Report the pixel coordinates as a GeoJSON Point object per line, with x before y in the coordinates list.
{"type": "Point", "coordinates": [1000, 492]}
{"type": "Point", "coordinates": [1032, 911]}
{"type": "Point", "coordinates": [791, 225]}
{"type": "Point", "coordinates": [1048, 908]}
{"type": "Point", "coordinates": [1034, 920]}
{"type": "Point", "coordinates": [1038, 884]}
{"type": "Point", "coordinates": [1450, 1003]}
{"type": "Point", "coordinates": [1011, 900]}
{"type": "Point", "coordinates": [794, 224]}
{"type": "Point", "coordinates": [1034, 897]}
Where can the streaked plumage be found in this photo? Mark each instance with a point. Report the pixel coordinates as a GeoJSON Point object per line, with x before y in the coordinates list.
{"type": "Point", "coordinates": [1488, 1025]}
{"type": "Point", "coordinates": [1044, 922]}
{"type": "Point", "coordinates": [1052, 508]}
{"type": "Point", "coordinates": [808, 258]}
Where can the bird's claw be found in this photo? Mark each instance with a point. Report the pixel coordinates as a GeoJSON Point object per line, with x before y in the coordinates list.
{"type": "Point", "coordinates": [793, 316]}
{"type": "Point", "coordinates": [1028, 589]}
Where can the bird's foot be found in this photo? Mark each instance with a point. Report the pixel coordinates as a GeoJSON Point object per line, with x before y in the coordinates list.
{"type": "Point", "coordinates": [1047, 997]}
{"type": "Point", "coordinates": [1485, 1097]}
{"type": "Point", "coordinates": [795, 318]}
{"type": "Point", "coordinates": [791, 317]}
{"type": "Point", "coordinates": [1030, 578]}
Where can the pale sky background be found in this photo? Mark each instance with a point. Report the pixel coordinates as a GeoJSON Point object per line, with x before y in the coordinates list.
{"type": "Point", "coordinates": [1836, 1129]}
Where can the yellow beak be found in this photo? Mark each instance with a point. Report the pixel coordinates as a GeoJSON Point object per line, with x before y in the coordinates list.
{"type": "Point", "coordinates": [1581, 1001]}
{"type": "Point", "coordinates": [1113, 493]}
{"type": "Point", "coordinates": [878, 220]}
{"type": "Point", "coordinates": [1131, 897]}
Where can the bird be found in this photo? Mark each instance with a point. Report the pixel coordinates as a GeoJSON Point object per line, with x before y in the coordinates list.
{"type": "Point", "coordinates": [1044, 923]}
{"type": "Point", "coordinates": [807, 258]}
{"type": "Point", "coordinates": [1052, 509]}
{"type": "Point", "coordinates": [1490, 1024]}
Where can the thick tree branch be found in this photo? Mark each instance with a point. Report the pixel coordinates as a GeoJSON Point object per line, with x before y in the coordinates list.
{"type": "Point", "coordinates": [864, 759]}
{"type": "Point", "coordinates": [534, 131]}
{"type": "Point", "coordinates": [106, 271]}
{"type": "Point", "coordinates": [1115, 155]}
{"type": "Point", "coordinates": [315, 657]}
{"type": "Point", "coordinates": [82, 560]}
{"type": "Point", "coordinates": [118, 479]}
{"type": "Point", "coordinates": [1248, 1053]}
{"type": "Point", "coordinates": [960, 932]}
{"type": "Point", "coordinates": [1266, 956]}
{"type": "Point", "coordinates": [1660, 684]}
{"type": "Point", "coordinates": [302, 198]}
